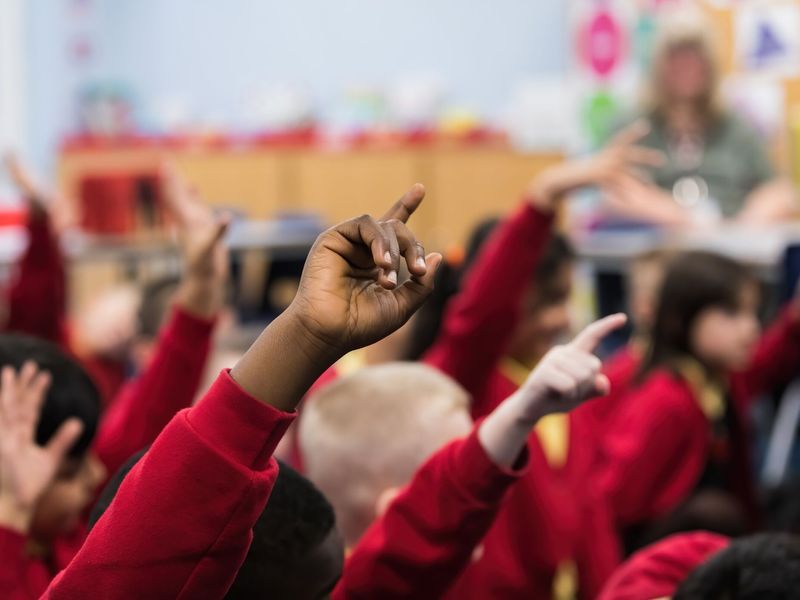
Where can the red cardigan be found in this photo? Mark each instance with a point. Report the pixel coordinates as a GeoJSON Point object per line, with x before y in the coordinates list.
{"type": "Point", "coordinates": [552, 521]}
{"type": "Point", "coordinates": [145, 405]}
{"type": "Point", "coordinates": [653, 456]}
{"type": "Point", "coordinates": [418, 548]}
{"type": "Point", "coordinates": [181, 523]}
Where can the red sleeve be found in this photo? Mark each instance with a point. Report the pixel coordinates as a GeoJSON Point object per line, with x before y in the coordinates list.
{"type": "Point", "coordinates": [37, 295]}
{"type": "Point", "coordinates": [13, 563]}
{"type": "Point", "coordinates": [658, 570]}
{"type": "Point", "coordinates": [653, 453]}
{"type": "Point", "coordinates": [776, 359]}
{"type": "Point", "coordinates": [168, 384]}
{"type": "Point", "coordinates": [181, 523]}
{"type": "Point", "coordinates": [484, 313]}
{"type": "Point", "coordinates": [427, 536]}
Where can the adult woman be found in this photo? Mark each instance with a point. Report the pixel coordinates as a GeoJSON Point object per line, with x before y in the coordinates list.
{"type": "Point", "coordinates": [716, 166]}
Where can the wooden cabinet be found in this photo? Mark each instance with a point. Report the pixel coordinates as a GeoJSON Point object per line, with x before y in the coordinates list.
{"type": "Point", "coordinates": [465, 184]}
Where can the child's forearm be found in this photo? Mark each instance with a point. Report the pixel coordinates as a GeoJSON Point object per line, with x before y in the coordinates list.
{"type": "Point", "coordinates": [504, 433]}
{"type": "Point", "coordinates": [284, 362]}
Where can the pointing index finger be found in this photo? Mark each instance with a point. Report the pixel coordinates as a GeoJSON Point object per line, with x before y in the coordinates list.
{"type": "Point", "coordinates": [588, 339]}
{"type": "Point", "coordinates": [406, 205]}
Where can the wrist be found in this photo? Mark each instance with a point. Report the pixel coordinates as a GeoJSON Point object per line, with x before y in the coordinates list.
{"type": "Point", "coordinates": [553, 184]}
{"type": "Point", "coordinates": [15, 516]}
{"type": "Point", "coordinates": [504, 433]}
{"type": "Point", "coordinates": [319, 349]}
{"type": "Point", "coordinates": [201, 296]}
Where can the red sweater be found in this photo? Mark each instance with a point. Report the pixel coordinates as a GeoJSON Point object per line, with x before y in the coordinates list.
{"type": "Point", "coordinates": [658, 570]}
{"type": "Point", "coordinates": [181, 523]}
{"type": "Point", "coordinates": [654, 455]}
{"type": "Point", "coordinates": [621, 369]}
{"type": "Point", "coordinates": [551, 519]}
{"type": "Point", "coordinates": [37, 296]}
{"type": "Point", "coordinates": [418, 548]}
{"type": "Point", "coordinates": [146, 404]}
{"type": "Point", "coordinates": [168, 384]}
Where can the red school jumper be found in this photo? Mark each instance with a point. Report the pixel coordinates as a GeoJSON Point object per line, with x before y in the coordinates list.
{"type": "Point", "coordinates": [181, 523]}
{"type": "Point", "coordinates": [186, 513]}
{"type": "Point", "coordinates": [423, 542]}
{"type": "Point", "coordinates": [552, 534]}
{"type": "Point", "coordinates": [145, 405]}
{"type": "Point", "coordinates": [655, 454]}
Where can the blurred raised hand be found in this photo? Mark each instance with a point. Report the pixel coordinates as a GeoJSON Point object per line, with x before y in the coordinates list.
{"type": "Point", "coordinates": [27, 469]}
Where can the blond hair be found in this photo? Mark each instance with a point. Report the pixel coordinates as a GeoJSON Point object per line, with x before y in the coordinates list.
{"type": "Point", "coordinates": [369, 432]}
{"type": "Point", "coordinates": [683, 27]}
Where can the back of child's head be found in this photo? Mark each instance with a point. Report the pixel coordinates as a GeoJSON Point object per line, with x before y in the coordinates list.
{"type": "Point", "coordinates": [71, 393]}
{"type": "Point", "coordinates": [693, 282]}
{"type": "Point", "coordinates": [296, 552]}
{"type": "Point", "coordinates": [758, 567]}
{"type": "Point", "coordinates": [367, 434]}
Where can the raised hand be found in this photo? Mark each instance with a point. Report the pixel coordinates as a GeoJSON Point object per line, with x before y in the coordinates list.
{"type": "Point", "coordinates": [40, 201]}
{"type": "Point", "coordinates": [619, 160]}
{"type": "Point", "coordinates": [201, 234]}
{"type": "Point", "coordinates": [569, 375]}
{"type": "Point", "coordinates": [27, 469]}
{"type": "Point", "coordinates": [564, 379]}
{"type": "Point", "coordinates": [350, 295]}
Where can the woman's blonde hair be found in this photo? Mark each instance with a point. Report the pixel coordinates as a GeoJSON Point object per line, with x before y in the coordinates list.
{"type": "Point", "coordinates": [683, 27]}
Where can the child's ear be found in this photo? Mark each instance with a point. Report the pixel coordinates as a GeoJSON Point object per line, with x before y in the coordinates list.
{"type": "Point", "coordinates": [385, 499]}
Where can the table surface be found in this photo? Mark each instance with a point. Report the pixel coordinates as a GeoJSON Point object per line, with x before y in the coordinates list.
{"type": "Point", "coordinates": [758, 247]}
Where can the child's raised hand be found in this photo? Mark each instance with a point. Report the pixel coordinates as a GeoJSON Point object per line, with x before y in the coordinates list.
{"type": "Point", "coordinates": [27, 469]}
{"type": "Point", "coordinates": [201, 234]}
{"type": "Point", "coordinates": [564, 379]}
{"type": "Point", "coordinates": [568, 375]}
{"type": "Point", "coordinates": [349, 295]}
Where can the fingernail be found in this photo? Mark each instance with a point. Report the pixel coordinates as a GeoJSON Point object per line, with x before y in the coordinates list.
{"type": "Point", "coordinates": [387, 257]}
{"type": "Point", "coordinates": [421, 262]}
{"type": "Point", "coordinates": [392, 277]}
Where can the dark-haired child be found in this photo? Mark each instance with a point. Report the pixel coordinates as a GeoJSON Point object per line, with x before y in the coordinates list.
{"type": "Point", "coordinates": [296, 552]}
{"type": "Point", "coordinates": [512, 308]}
{"type": "Point", "coordinates": [168, 384]}
{"type": "Point", "coordinates": [678, 457]}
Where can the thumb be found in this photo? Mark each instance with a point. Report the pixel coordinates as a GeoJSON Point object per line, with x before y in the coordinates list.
{"type": "Point", "coordinates": [413, 293]}
{"type": "Point", "coordinates": [64, 438]}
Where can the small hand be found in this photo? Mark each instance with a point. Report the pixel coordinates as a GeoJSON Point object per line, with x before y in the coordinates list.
{"type": "Point", "coordinates": [205, 254]}
{"type": "Point", "coordinates": [349, 294]}
{"type": "Point", "coordinates": [568, 375]}
{"type": "Point", "coordinates": [27, 469]}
